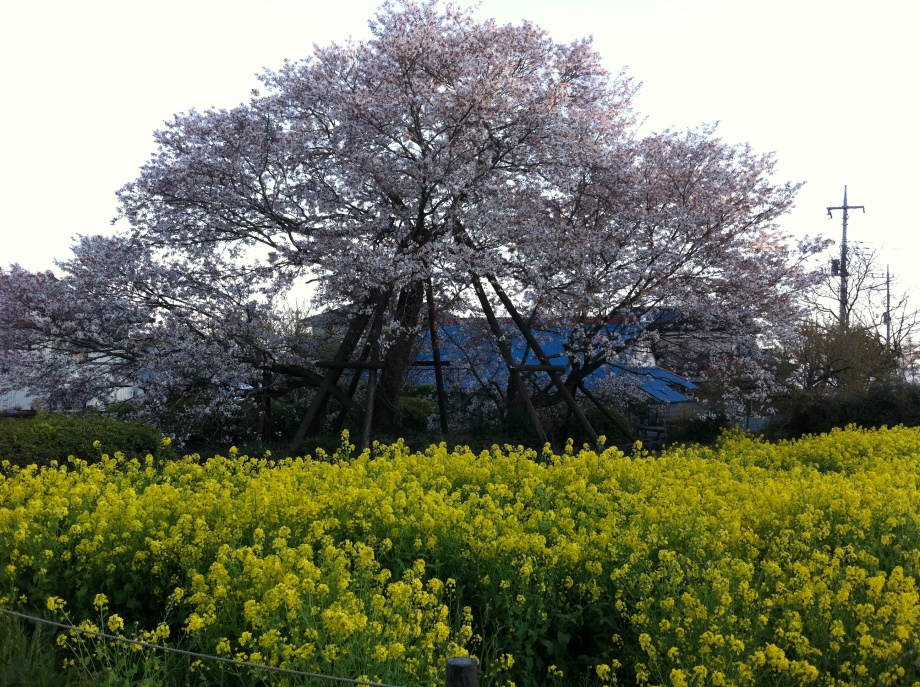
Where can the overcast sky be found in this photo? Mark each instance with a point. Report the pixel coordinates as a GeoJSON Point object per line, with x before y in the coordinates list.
{"type": "Point", "coordinates": [830, 86]}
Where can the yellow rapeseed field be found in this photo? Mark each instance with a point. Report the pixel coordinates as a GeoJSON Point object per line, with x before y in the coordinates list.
{"type": "Point", "coordinates": [743, 564]}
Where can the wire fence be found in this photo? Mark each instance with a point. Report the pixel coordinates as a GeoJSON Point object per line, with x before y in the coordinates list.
{"type": "Point", "coordinates": [191, 654]}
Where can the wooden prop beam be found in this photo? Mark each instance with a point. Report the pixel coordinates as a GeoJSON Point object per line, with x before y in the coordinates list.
{"type": "Point", "coordinates": [544, 359]}
{"type": "Point", "coordinates": [371, 393]}
{"type": "Point", "coordinates": [509, 360]}
{"type": "Point", "coordinates": [613, 419]}
{"type": "Point", "coordinates": [352, 388]}
{"type": "Point", "coordinates": [373, 339]}
{"type": "Point", "coordinates": [356, 328]}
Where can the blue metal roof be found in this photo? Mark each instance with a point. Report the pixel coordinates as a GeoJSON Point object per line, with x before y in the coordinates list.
{"type": "Point", "coordinates": [476, 341]}
{"type": "Point", "coordinates": [656, 382]}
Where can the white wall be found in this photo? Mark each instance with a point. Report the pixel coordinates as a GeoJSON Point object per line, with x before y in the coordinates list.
{"type": "Point", "coordinates": [15, 399]}
{"type": "Point", "coordinates": [22, 400]}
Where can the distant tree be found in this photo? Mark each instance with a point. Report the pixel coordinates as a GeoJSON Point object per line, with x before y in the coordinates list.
{"type": "Point", "coordinates": [828, 358]}
{"type": "Point", "coordinates": [851, 364]}
{"type": "Point", "coordinates": [875, 307]}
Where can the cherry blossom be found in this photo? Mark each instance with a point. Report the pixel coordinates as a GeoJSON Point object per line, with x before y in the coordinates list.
{"type": "Point", "coordinates": [444, 150]}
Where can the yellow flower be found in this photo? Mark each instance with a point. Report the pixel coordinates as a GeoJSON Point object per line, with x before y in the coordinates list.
{"type": "Point", "coordinates": [195, 622]}
{"type": "Point", "coordinates": [55, 603]}
{"type": "Point", "coordinates": [645, 641]}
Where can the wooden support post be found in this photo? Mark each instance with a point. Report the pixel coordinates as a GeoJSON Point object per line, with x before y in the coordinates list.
{"type": "Point", "coordinates": [436, 356]}
{"type": "Point", "coordinates": [355, 329]}
{"type": "Point", "coordinates": [462, 671]}
{"type": "Point", "coordinates": [352, 388]}
{"type": "Point", "coordinates": [374, 365]}
{"type": "Point", "coordinates": [544, 359]}
{"type": "Point", "coordinates": [371, 393]}
{"type": "Point", "coordinates": [509, 361]}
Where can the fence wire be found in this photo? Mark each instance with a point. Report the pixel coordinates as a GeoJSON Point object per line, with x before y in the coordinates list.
{"type": "Point", "coordinates": [192, 654]}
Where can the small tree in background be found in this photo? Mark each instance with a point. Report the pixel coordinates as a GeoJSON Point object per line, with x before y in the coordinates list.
{"type": "Point", "coordinates": [875, 305]}
{"type": "Point", "coordinates": [860, 370]}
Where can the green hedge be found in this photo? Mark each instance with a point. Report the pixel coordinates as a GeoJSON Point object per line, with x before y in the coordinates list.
{"type": "Point", "coordinates": [45, 437]}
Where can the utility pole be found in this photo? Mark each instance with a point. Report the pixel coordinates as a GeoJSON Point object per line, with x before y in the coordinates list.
{"type": "Point", "coordinates": [843, 255]}
{"type": "Point", "coordinates": [887, 309]}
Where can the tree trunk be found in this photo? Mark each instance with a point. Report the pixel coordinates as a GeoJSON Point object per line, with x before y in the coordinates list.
{"type": "Point", "coordinates": [398, 357]}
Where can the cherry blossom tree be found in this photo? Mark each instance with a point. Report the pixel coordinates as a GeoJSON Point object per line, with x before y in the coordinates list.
{"type": "Point", "coordinates": [488, 164]}
{"type": "Point", "coordinates": [373, 167]}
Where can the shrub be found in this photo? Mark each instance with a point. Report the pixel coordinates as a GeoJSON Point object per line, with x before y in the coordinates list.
{"type": "Point", "coordinates": [416, 411]}
{"type": "Point", "coordinates": [880, 405]}
{"type": "Point", "coordinates": [698, 430]}
{"type": "Point", "coordinates": [47, 437]}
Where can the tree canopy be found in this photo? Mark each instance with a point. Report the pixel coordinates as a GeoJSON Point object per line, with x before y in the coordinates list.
{"type": "Point", "coordinates": [445, 153]}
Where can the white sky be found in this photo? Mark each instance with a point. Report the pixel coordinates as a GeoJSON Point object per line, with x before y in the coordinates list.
{"type": "Point", "coordinates": [829, 85]}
